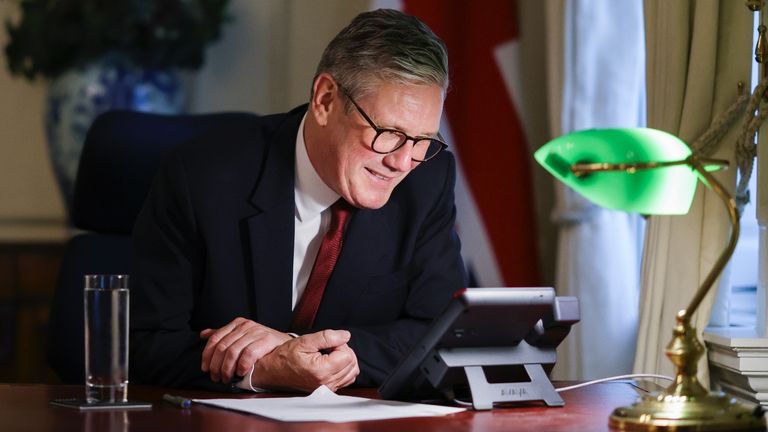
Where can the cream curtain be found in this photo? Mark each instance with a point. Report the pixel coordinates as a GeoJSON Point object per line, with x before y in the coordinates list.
{"type": "Point", "coordinates": [696, 53]}
{"type": "Point", "coordinates": [597, 76]}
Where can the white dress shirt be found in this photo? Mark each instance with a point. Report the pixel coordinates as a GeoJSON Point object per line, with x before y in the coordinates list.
{"type": "Point", "coordinates": [312, 217]}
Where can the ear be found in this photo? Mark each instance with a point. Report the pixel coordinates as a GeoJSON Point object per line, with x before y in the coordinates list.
{"type": "Point", "coordinates": [324, 98]}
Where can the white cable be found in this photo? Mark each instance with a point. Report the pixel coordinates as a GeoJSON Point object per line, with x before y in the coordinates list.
{"type": "Point", "coordinates": [462, 403]}
{"type": "Point", "coordinates": [618, 377]}
{"type": "Point", "coordinates": [575, 386]}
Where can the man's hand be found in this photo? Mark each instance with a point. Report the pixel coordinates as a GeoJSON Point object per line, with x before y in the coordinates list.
{"type": "Point", "coordinates": [309, 361]}
{"type": "Point", "coordinates": [234, 348]}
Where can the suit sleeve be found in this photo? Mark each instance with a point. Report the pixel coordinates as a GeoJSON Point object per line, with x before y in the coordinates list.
{"type": "Point", "coordinates": [164, 349]}
{"type": "Point", "coordinates": [435, 273]}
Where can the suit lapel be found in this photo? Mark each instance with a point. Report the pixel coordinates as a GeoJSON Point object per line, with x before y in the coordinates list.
{"type": "Point", "coordinates": [271, 229]}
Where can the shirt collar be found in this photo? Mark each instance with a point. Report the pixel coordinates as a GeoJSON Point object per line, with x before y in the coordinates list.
{"type": "Point", "coordinates": [311, 193]}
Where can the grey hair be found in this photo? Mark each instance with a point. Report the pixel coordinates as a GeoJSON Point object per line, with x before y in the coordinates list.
{"type": "Point", "coordinates": [385, 45]}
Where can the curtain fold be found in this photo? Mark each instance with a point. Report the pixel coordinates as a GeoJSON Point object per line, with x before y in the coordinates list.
{"type": "Point", "coordinates": [696, 53]}
{"type": "Point", "coordinates": [596, 73]}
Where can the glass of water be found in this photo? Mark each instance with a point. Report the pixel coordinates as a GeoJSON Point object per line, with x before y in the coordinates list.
{"type": "Point", "coordinates": [106, 338]}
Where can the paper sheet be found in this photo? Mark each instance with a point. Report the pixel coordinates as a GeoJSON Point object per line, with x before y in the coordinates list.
{"type": "Point", "coordinates": [325, 405]}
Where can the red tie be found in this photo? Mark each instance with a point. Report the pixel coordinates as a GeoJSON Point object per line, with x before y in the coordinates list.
{"type": "Point", "coordinates": [306, 309]}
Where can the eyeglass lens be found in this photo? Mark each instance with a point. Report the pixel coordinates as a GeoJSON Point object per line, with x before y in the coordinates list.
{"type": "Point", "coordinates": [389, 140]}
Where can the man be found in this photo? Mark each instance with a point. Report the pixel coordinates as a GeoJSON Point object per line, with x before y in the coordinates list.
{"type": "Point", "coordinates": [236, 231]}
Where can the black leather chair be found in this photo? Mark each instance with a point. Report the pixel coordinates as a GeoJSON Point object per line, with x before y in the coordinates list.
{"type": "Point", "coordinates": [121, 154]}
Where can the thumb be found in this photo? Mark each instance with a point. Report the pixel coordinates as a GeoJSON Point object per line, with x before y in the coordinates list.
{"type": "Point", "coordinates": [326, 339]}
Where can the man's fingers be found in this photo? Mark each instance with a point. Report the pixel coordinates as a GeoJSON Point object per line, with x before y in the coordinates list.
{"type": "Point", "coordinates": [336, 369]}
{"type": "Point", "coordinates": [234, 348]}
{"type": "Point", "coordinates": [325, 339]}
{"type": "Point", "coordinates": [224, 330]}
{"type": "Point", "coordinates": [228, 350]}
{"type": "Point", "coordinates": [214, 340]}
{"type": "Point", "coordinates": [240, 356]}
{"type": "Point", "coordinates": [352, 369]}
{"type": "Point", "coordinates": [340, 357]}
{"type": "Point", "coordinates": [253, 353]}
{"type": "Point", "coordinates": [343, 377]}
{"type": "Point", "coordinates": [350, 376]}
{"type": "Point", "coordinates": [231, 358]}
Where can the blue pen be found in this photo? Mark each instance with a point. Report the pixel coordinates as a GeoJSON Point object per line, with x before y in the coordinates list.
{"type": "Point", "coordinates": [179, 401]}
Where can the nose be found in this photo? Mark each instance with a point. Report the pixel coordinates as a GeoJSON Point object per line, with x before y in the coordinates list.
{"type": "Point", "coordinates": [400, 159]}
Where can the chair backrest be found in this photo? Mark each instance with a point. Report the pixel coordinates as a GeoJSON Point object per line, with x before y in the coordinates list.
{"type": "Point", "coordinates": [121, 153]}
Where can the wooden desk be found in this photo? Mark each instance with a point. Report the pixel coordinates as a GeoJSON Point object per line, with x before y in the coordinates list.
{"type": "Point", "coordinates": [24, 407]}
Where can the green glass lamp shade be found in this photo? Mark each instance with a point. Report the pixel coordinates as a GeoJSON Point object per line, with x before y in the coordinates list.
{"type": "Point", "coordinates": [662, 190]}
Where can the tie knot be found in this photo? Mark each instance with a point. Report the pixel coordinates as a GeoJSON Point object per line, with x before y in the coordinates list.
{"type": "Point", "coordinates": [340, 212]}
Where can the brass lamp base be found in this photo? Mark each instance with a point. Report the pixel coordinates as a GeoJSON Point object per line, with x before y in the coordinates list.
{"type": "Point", "coordinates": [707, 412]}
{"type": "Point", "coordinates": [686, 405]}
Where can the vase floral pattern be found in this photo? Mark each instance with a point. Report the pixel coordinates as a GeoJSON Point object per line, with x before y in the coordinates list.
{"type": "Point", "coordinates": [77, 97]}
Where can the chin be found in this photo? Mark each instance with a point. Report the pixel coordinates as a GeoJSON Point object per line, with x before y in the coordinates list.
{"type": "Point", "coordinates": [371, 203]}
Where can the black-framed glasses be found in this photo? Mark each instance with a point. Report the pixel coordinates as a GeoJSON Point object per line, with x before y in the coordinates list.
{"type": "Point", "coordinates": [390, 140]}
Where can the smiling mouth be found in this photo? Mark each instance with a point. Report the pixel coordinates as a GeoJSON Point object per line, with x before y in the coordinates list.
{"type": "Point", "coordinates": [379, 176]}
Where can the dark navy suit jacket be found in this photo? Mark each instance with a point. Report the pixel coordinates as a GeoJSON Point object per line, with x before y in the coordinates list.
{"type": "Point", "coordinates": [215, 242]}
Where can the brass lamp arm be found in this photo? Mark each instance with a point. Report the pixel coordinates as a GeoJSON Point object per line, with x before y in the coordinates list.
{"type": "Point", "coordinates": [718, 188]}
{"type": "Point", "coordinates": [580, 169]}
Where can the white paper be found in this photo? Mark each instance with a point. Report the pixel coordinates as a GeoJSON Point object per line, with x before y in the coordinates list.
{"type": "Point", "coordinates": [325, 405]}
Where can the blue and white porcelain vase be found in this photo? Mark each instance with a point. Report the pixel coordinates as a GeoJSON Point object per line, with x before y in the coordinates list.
{"type": "Point", "coordinates": [77, 97]}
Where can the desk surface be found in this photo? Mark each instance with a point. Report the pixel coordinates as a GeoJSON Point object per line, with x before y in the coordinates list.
{"type": "Point", "coordinates": [24, 407]}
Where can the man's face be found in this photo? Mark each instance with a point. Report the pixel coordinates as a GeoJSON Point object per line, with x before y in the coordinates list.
{"type": "Point", "coordinates": [363, 177]}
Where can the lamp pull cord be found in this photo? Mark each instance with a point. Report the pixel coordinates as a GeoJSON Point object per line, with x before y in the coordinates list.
{"type": "Point", "coordinates": [746, 143]}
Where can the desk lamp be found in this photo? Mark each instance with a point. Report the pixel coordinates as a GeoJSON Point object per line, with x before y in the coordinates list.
{"type": "Point", "coordinates": [652, 172]}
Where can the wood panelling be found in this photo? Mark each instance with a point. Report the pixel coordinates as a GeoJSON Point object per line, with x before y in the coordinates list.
{"type": "Point", "coordinates": [28, 274]}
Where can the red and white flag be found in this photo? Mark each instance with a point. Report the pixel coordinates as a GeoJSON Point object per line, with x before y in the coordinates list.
{"type": "Point", "coordinates": [494, 194]}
